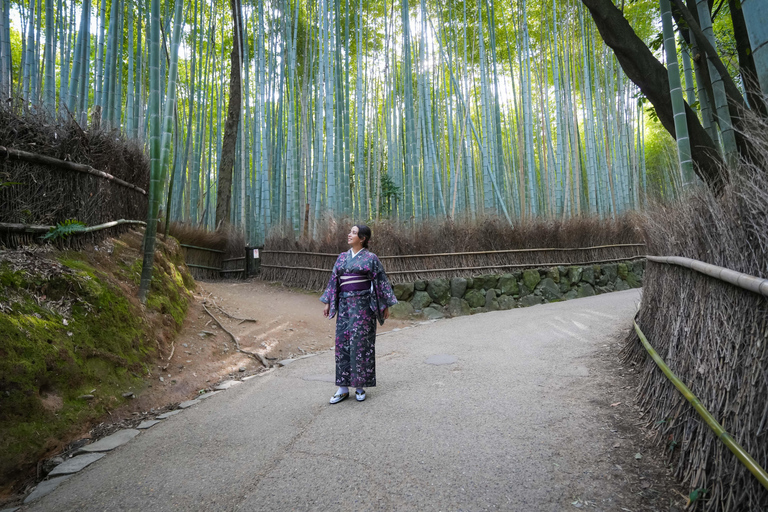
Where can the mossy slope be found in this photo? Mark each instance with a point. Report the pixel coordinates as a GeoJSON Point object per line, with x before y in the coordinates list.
{"type": "Point", "coordinates": [70, 326]}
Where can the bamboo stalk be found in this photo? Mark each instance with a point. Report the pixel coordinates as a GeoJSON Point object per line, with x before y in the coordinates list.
{"type": "Point", "coordinates": [62, 164]}
{"type": "Point", "coordinates": [718, 429]}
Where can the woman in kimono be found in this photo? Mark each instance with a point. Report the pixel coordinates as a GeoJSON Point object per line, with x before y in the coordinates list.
{"type": "Point", "coordinates": [360, 293]}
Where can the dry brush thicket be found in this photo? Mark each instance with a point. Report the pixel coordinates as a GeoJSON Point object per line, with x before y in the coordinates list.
{"type": "Point", "coordinates": [34, 193]}
{"type": "Point", "coordinates": [713, 335]}
{"type": "Point", "coordinates": [439, 241]}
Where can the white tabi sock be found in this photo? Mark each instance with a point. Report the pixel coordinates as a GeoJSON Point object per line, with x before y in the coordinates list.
{"type": "Point", "coordinates": [342, 390]}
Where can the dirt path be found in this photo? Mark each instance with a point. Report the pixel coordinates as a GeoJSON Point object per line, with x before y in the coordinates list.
{"type": "Point", "coordinates": [289, 323]}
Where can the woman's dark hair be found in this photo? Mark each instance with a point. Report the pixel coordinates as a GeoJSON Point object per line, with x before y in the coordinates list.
{"type": "Point", "coordinates": [364, 232]}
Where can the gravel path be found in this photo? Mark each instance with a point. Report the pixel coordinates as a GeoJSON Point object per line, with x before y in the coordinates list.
{"type": "Point", "coordinates": [527, 409]}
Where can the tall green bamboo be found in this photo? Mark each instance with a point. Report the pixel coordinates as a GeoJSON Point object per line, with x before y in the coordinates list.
{"type": "Point", "coordinates": [676, 91]}
{"type": "Point", "coordinates": [155, 151]}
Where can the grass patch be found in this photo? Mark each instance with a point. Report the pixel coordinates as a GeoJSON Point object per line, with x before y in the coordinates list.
{"type": "Point", "coordinates": [70, 325]}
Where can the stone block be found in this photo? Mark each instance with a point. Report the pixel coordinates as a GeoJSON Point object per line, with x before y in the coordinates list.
{"type": "Point", "coordinates": [491, 304]}
{"type": "Point", "coordinates": [457, 307]}
{"type": "Point", "coordinates": [508, 285]}
{"type": "Point", "coordinates": [421, 300]}
{"type": "Point", "coordinates": [75, 464]}
{"type": "Point", "coordinates": [554, 274]}
{"type": "Point", "coordinates": [439, 290]}
{"type": "Point", "coordinates": [108, 443]}
{"type": "Point", "coordinates": [433, 313]}
{"type": "Point", "coordinates": [571, 294]}
{"type": "Point", "coordinates": [507, 302]}
{"type": "Point", "coordinates": [585, 290]}
{"type": "Point", "coordinates": [420, 286]}
{"type": "Point", "coordinates": [474, 311]}
{"type": "Point", "coordinates": [458, 287]}
{"type": "Point", "coordinates": [403, 291]}
{"type": "Point", "coordinates": [168, 414]}
{"type": "Point", "coordinates": [43, 488]}
{"type": "Point", "coordinates": [530, 300]}
{"type": "Point", "coordinates": [401, 310]}
{"type": "Point", "coordinates": [549, 290]}
{"type": "Point", "coordinates": [474, 298]}
{"type": "Point", "coordinates": [601, 289]}
{"type": "Point", "coordinates": [574, 274]}
{"type": "Point", "coordinates": [588, 275]}
{"type": "Point", "coordinates": [633, 280]}
{"type": "Point", "coordinates": [531, 278]}
{"type": "Point", "coordinates": [620, 285]}
{"type": "Point", "coordinates": [622, 270]}
{"type": "Point", "coordinates": [485, 282]}
{"type": "Point", "coordinates": [610, 272]}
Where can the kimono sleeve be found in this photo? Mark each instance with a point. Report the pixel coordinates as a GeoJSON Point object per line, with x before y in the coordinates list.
{"type": "Point", "coordinates": [331, 293]}
{"type": "Point", "coordinates": [385, 297]}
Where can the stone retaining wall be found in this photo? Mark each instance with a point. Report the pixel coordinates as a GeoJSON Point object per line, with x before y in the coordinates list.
{"type": "Point", "coordinates": [441, 298]}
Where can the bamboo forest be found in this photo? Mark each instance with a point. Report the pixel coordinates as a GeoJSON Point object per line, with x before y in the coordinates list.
{"type": "Point", "coordinates": [286, 113]}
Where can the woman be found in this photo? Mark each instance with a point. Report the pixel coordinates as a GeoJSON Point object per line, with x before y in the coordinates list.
{"type": "Point", "coordinates": [361, 294]}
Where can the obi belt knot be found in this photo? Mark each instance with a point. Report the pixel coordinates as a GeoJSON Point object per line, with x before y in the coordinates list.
{"type": "Point", "coordinates": [354, 283]}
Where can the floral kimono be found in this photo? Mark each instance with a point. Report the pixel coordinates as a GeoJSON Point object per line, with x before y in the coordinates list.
{"type": "Point", "coordinates": [359, 292]}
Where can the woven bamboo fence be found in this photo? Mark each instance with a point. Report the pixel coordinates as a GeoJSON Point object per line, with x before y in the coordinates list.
{"type": "Point", "coordinates": [52, 171]}
{"type": "Point", "coordinates": [311, 270]}
{"type": "Point", "coordinates": [204, 263]}
{"type": "Point", "coordinates": [712, 335]}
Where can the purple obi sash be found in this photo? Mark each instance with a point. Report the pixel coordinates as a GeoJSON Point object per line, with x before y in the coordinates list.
{"type": "Point", "coordinates": [354, 283]}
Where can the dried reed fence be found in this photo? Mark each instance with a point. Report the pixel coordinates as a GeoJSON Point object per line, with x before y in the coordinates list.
{"type": "Point", "coordinates": [51, 171]}
{"type": "Point", "coordinates": [451, 249]}
{"type": "Point", "coordinates": [210, 255]}
{"type": "Point", "coordinates": [712, 335]}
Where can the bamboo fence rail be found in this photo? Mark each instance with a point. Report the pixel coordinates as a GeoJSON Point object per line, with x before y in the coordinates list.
{"type": "Point", "coordinates": [311, 269]}
{"type": "Point", "coordinates": [745, 281]}
{"type": "Point", "coordinates": [34, 228]}
{"type": "Point", "coordinates": [63, 164]}
{"type": "Point", "coordinates": [710, 420]}
{"type": "Point", "coordinates": [14, 234]}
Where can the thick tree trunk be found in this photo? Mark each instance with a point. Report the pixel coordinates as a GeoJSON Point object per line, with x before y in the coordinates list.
{"type": "Point", "coordinates": [227, 164]}
{"type": "Point", "coordinates": [651, 77]}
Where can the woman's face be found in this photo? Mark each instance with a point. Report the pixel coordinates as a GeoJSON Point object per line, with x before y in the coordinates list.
{"type": "Point", "coordinates": [353, 239]}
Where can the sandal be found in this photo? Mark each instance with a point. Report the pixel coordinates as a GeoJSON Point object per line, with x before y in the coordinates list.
{"type": "Point", "coordinates": [338, 397]}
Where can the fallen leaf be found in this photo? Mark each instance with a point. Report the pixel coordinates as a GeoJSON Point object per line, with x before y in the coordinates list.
{"type": "Point", "coordinates": [617, 403]}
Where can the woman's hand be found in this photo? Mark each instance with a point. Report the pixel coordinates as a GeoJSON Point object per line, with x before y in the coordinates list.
{"type": "Point", "coordinates": [327, 310]}
{"type": "Point", "coordinates": [386, 313]}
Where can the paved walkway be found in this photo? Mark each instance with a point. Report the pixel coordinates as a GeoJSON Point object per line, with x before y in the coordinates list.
{"type": "Point", "coordinates": [511, 418]}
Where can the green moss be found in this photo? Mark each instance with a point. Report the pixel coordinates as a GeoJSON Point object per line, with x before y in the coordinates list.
{"type": "Point", "coordinates": [103, 343]}
{"type": "Point", "coordinates": [9, 278]}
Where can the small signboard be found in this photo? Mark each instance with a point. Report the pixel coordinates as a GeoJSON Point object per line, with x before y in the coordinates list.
{"type": "Point", "coordinates": [255, 253]}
